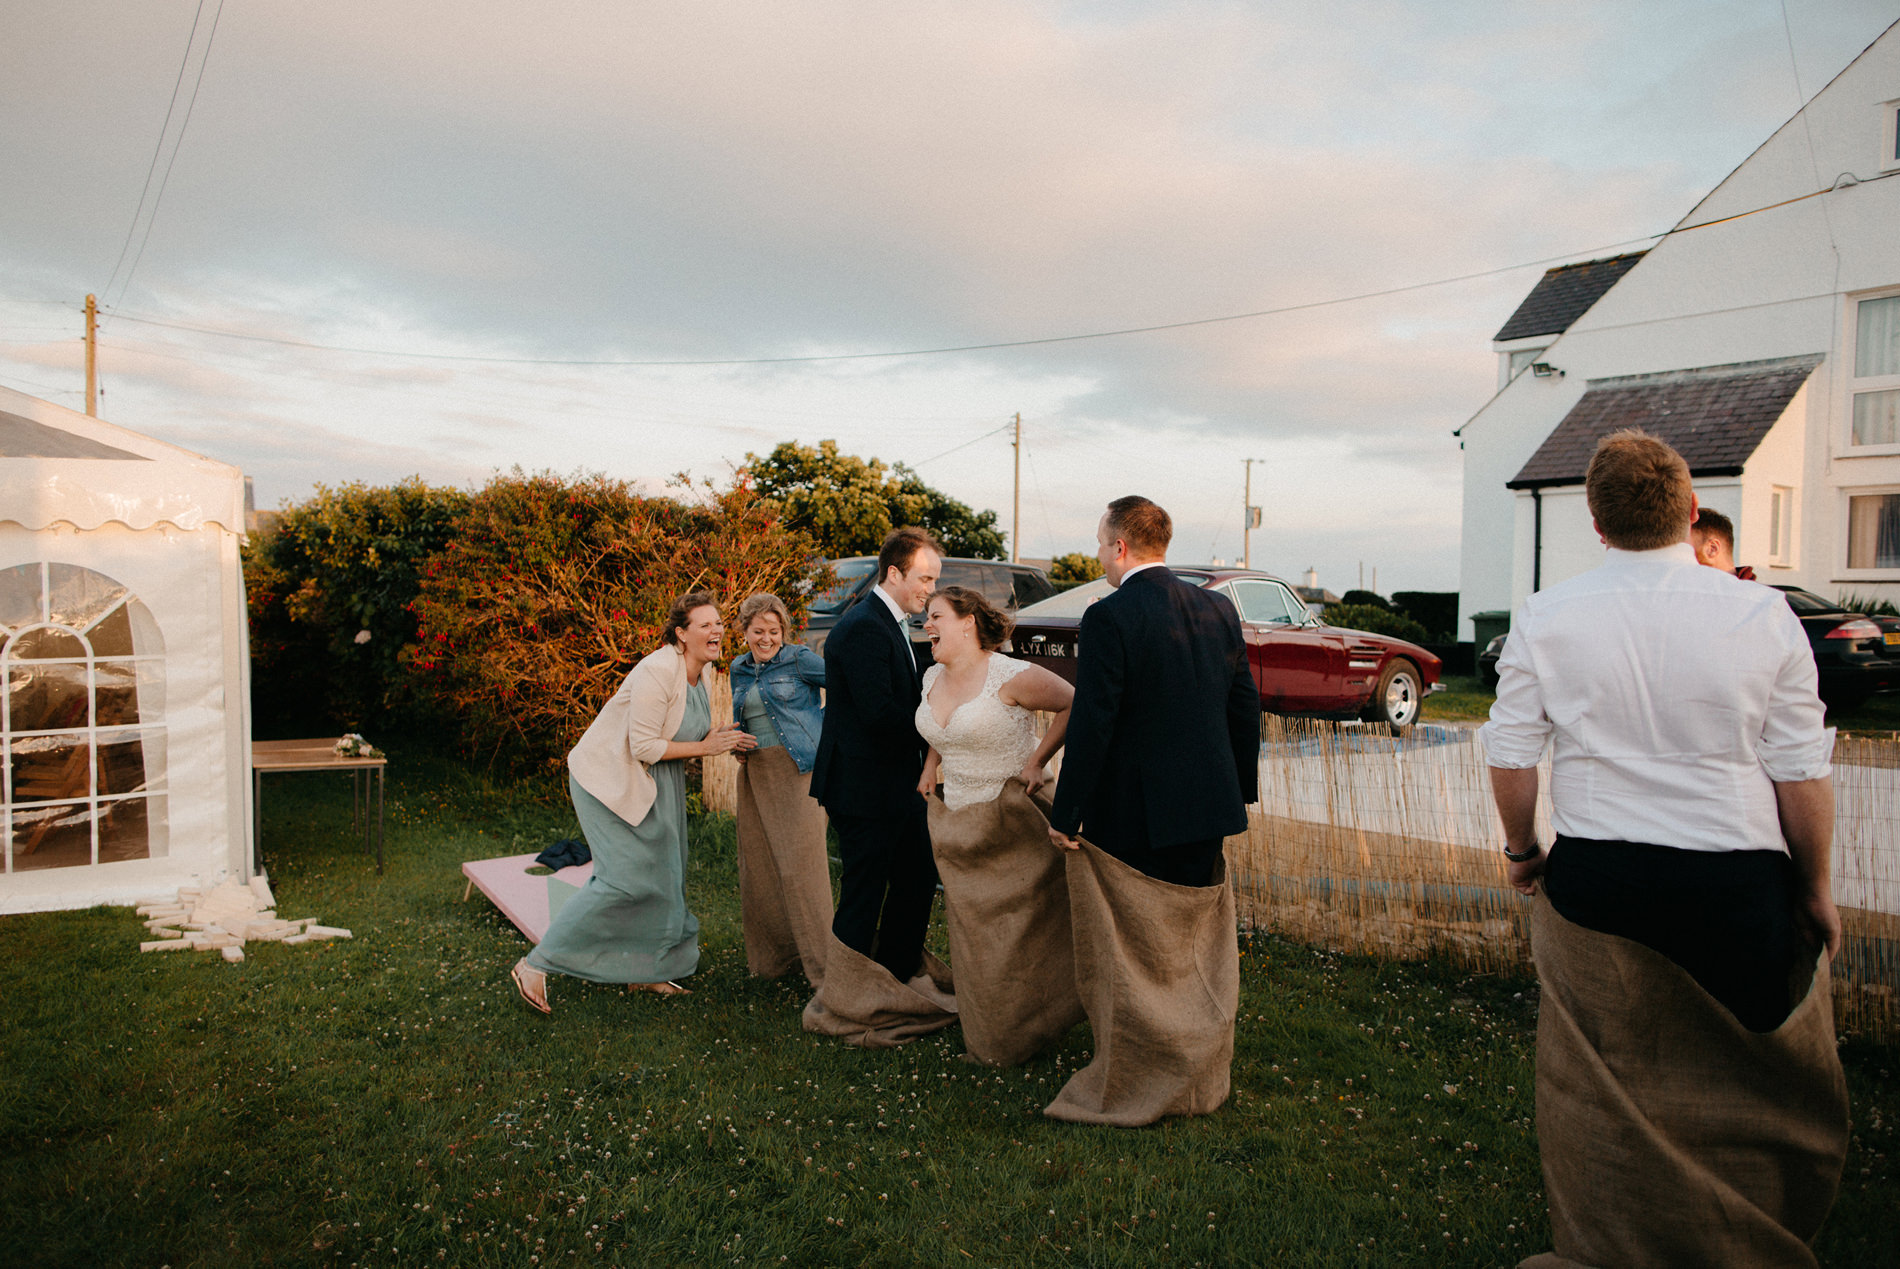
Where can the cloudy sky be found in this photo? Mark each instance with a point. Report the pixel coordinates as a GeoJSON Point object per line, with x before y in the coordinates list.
{"type": "Point", "coordinates": [410, 221]}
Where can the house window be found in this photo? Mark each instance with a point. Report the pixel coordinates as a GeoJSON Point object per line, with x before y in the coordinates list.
{"type": "Point", "coordinates": [1873, 531]}
{"type": "Point", "coordinates": [82, 745]}
{"type": "Point", "coordinates": [1875, 388]}
{"type": "Point", "coordinates": [1890, 136]}
{"type": "Point", "coordinates": [1780, 525]}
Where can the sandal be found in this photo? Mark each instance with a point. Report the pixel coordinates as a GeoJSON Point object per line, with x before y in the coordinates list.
{"type": "Point", "coordinates": [660, 989]}
{"type": "Point", "coordinates": [520, 974]}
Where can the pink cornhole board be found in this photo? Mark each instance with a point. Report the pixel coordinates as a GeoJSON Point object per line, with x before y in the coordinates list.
{"type": "Point", "coordinates": [529, 901]}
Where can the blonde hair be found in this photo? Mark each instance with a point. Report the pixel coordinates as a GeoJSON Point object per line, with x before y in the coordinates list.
{"type": "Point", "coordinates": [762, 603]}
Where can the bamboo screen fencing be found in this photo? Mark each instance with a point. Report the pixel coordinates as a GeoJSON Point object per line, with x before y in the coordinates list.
{"type": "Point", "coordinates": [1385, 845]}
{"type": "Point", "coordinates": [1388, 845]}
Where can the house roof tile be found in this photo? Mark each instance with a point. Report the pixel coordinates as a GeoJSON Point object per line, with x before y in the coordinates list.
{"type": "Point", "coordinates": [1714, 416]}
{"type": "Point", "coordinates": [1564, 294]}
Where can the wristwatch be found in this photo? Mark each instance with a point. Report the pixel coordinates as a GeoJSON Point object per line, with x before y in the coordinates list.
{"type": "Point", "coordinates": [1524, 858]}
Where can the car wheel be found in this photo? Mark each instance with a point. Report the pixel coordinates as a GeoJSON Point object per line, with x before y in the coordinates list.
{"type": "Point", "coordinates": [1397, 698]}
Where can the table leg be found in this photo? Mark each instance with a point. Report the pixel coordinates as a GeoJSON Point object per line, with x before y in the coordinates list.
{"type": "Point", "coordinates": [257, 820]}
{"type": "Point", "coordinates": [379, 772]}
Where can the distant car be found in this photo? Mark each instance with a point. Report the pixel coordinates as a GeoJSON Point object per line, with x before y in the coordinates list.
{"type": "Point", "coordinates": [1300, 664]}
{"type": "Point", "coordinates": [1852, 652]}
{"type": "Point", "coordinates": [1008, 586]}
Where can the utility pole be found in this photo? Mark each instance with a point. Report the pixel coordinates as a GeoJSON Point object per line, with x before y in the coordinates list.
{"type": "Point", "coordinates": [1016, 514]}
{"type": "Point", "coordinates": [92, 355]}
{"type": "Point", "coordinates": [1251, 516]}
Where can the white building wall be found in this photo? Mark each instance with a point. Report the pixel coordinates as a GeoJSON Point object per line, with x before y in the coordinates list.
{"type": "Point", "coordinates": [1771, 284]}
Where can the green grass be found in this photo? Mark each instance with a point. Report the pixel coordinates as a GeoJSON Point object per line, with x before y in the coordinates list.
{"type": "Point", "coordinates": [388, 1100]}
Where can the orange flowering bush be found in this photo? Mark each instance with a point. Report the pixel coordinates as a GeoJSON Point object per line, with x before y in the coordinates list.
{"type": "Point", "coordinates": [550, 589]}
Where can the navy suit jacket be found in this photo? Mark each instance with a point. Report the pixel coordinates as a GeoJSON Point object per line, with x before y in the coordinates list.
{"type": "Point", "coordinates": [869, 753]}
{"type": "Point", "coordinates": [1164, 738]}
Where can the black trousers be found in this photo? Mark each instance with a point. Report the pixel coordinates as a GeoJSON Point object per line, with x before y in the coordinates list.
{"type": "Point", "coordinates": [1188, 864]}
{"type": "Point", "coordinates": [1727, 918]}
{"type": "Point", "coordinates": [887, 884]}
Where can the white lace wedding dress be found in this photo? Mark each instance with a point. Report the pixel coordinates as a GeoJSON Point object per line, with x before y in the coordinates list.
{"type": "Point", "coordinates": [985, 742]}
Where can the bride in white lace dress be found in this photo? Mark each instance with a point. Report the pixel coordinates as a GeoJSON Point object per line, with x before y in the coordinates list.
{"type": "Point", "coordinates": [1006, 901]}
{"type": "Point", "coordinates": [975, 714]}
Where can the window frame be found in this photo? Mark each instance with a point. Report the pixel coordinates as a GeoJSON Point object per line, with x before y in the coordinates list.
{"type": "Point", "coordinates": [1890, 135]}
{"type": "Point", "coordinates": [1856, 385]}
{"type": "Point", "coordinates": [1781, 520]}
{"type": "Point", "coordinates": [1847, 572]}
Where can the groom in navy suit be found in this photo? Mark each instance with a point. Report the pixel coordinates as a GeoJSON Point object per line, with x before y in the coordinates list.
{"type": "Point", "coordinates": [1164, 738]}
{"type": "Point", "coordinates": [870, 758]}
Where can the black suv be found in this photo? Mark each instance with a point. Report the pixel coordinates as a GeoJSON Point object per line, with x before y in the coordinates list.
{"type": "Point", "coordinates": [1008, 586]}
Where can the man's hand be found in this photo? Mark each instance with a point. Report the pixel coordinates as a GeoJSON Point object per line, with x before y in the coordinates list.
{"type": "Point", "coordinates": [1062, 841]}
{"type": "Point", "coordinates": [1819, 921]}
{"type": "Point", "coordinates": [1523, 877]}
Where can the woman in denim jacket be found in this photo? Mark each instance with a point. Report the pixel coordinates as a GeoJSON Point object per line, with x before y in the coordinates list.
{"type": "Point", "coordinates": [784, 875]}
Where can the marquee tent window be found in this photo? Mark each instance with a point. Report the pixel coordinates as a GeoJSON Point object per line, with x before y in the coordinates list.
{"type": "Point", "coordinates": [82, 715]}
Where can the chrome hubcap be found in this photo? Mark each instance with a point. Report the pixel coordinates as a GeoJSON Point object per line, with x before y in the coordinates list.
{"type": "Point", "coordinates": [1401, 700]}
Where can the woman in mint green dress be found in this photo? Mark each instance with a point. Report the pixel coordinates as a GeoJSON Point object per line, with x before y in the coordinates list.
{"type": "Point", "coordinates": [629, 923]}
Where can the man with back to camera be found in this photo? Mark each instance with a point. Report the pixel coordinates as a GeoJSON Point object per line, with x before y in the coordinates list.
{"type": "Point", "coordinates": [1691, 1107]}
{"type": "Point", "coordinates": [1713, 537]}
{"type": "Point", "coordinates": [1162, 754]}
{"type": "Point", "coordinates": [870, 758]}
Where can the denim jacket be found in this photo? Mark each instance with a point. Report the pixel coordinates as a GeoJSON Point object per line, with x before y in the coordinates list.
{"type": "Point", "coordinates": [788, 684]}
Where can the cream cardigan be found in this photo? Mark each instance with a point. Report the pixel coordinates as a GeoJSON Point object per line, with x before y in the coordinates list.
{"type": "Point", "coordinates": [631, 733]}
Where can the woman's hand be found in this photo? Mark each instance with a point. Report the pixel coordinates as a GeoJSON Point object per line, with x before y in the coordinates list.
{"type": "Point", "coordinates": [927, 783]}
{"type": "Point", "coordinates": [727, 738]}
{"type": "Point", "coordinates": [1033, 776]}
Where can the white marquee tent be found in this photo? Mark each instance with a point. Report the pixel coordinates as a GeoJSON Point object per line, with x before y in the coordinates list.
{"type": "Point", "coordinates": [124, 666]}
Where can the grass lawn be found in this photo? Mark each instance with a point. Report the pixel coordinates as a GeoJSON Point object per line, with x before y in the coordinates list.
{"type": "Point", "coordinates": [388, 1100]}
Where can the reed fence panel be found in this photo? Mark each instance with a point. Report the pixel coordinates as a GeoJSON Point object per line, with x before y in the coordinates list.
{"type": "Point", "coordinates": [1385, 844]}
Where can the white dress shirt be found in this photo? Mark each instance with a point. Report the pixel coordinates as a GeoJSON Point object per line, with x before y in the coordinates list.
{"type": "Point", "coordinates": [902, 618]}
{"type": "Point", "coordinates": [1673, 696]}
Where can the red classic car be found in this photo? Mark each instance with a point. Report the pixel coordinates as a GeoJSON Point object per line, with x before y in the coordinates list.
{"type": "Point", "coordinates": [1301, 665]}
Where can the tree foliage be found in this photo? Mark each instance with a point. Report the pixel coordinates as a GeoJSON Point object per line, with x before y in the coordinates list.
{"type": "Point", "coordinates": [328, 591]}
{"type": "Point", "coordinates": [1074, 567]}
{"type": "Point", "coordinates": [551, 589]}
{"type": "Point", "coordinates": [1375, 619]}
{"type": "Point", "coordinates": [849, 504]}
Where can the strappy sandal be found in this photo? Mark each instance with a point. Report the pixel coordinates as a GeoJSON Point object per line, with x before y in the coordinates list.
{"type": "Point", "coordinates": [521, 985]}
{"type": "Point", "coordinates": [660, 989]}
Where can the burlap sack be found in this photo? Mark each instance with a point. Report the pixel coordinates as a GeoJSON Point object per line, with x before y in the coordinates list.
{"type": "Point", "coordinates": [1006, 903]}
{"type": "Point", "coordinates": [1670, 1133]}
{"type": "Point", "coordinates": [1158, 967]}
{"type": "Point", "coordinates": [862, 1004]}
{"type": "Point", "coordinates": [784, 879]}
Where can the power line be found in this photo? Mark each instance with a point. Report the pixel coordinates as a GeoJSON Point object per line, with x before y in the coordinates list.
{"type": "Point", "coordinates": [158, 147]}
{"type": "Point", "coordinates": [954, 448]}
{"type": "Point", "coordinates": [995, 345]}
{"type": "Point", "coordinates": [177, 143]}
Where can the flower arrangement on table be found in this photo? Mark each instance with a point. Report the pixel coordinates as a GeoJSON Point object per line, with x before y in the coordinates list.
{"type": "Point", "coordinates": [351, 745]}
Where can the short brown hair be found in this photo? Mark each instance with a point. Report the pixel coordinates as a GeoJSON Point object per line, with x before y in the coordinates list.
{"type": "Point", "coordinates": [1141, 523]}
{"type": "Point", "coordinates": [992, 627]}
{"type": "Point", "coordinates": [762, 603]}
{"type": "Point", "coordinates": [1639, 492]}
{"type": "Point", "coordinates": [680, 615]}
{"type": "Point", "coordinates": [1710, 523]}
{"type": "Point", "coordinates": [901, 547]}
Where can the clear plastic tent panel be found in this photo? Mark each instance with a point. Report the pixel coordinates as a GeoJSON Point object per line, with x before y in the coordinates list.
{"type": "Point", "coordinates": [82, 676]}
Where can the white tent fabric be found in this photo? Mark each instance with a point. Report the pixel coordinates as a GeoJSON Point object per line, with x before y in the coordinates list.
{"type": "Point", "coordinates": [124, 666]}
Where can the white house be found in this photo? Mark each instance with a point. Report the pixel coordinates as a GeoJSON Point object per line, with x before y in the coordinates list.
{"type": "Point", "coordinates": [124, 667]}
{"type": "Point", "coordinates": [1761, 337]}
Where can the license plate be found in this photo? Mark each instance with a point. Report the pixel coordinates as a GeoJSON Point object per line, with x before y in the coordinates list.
{"type": "Point", "coordinates": [1893, 637]}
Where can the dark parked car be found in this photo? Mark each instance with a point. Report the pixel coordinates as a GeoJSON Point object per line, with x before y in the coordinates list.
{"type": "Point", "coordinates": [1008, 586]}
{"type": "Point", "coordinates": [1300, 664]}
{"type": "Point", "coordinates": [1853, 652]}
